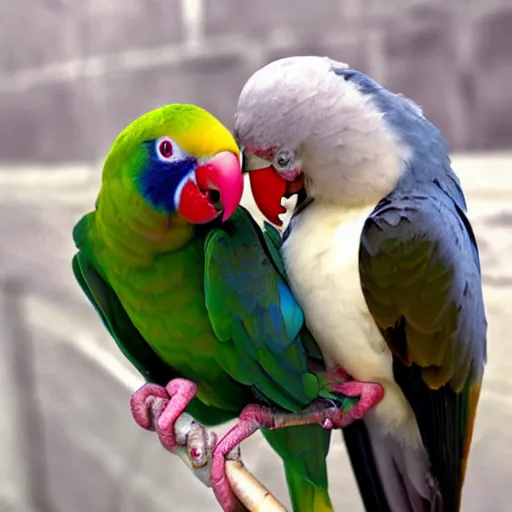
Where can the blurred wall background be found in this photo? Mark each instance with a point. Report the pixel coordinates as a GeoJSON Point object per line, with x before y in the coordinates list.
{"type": "Point", "coordinates": [72, 75]}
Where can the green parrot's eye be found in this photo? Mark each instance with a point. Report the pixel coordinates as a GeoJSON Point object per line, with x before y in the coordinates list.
{"type": "Point", "coordinates": [165, 148]}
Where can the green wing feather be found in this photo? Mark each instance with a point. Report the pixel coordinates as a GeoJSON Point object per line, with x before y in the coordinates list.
{"type": "Point", "coordinates": [118, 324]}
{"type": "Point", "coordinates": [273, 242]}
{"type": "Point", "coordinates": [113, 315]}
{"type": "Point", "coordinates": [127, 337]}
{"type": "Point", "coordinates": [251, 307]}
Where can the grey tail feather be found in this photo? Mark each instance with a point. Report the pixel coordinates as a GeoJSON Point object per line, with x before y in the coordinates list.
{"type": "Point", "coordinates": [390, 478]}
{"type": "Point", "coordinates": [359, 449]}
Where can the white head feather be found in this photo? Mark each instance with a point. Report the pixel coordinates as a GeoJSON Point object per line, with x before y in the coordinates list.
{"type": "Point", "coordinates": [347, 152]}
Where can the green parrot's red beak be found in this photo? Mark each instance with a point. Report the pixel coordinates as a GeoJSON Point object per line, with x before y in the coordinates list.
{"type": "Point", "coordinates": [218, 188]}
{"type": "Point", "coordinates": [268, 189]}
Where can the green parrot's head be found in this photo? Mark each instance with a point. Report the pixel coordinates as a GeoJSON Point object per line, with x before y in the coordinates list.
{"type": "Point", "coordinates": [181, 161]}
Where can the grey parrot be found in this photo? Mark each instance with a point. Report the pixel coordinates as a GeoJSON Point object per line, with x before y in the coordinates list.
{"type": "Point", "coordinates": [382, 258]}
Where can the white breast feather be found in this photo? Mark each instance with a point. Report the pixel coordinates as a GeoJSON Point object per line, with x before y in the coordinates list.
{"type": "Point", "coordinates": [322, 260]}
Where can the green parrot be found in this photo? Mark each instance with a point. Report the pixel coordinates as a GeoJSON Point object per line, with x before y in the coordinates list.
{"type": "Point", "coordinates": [195, 295]}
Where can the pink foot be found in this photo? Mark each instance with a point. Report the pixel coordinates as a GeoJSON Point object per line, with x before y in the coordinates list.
{"type": "Point", "coordinates": [250, 420]}
{"type": "Point", "coordinates": [254, 417]}
{"type": "Point", "coordinates": [157, 408]}
{"type": "Point", "coordinates": [370, 395]}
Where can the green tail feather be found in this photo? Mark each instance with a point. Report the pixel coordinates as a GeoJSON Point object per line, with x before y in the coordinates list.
{"type": "Point", "coordinates": [304, 451]}
{"type": "Point", "coordinates": [305, 496]}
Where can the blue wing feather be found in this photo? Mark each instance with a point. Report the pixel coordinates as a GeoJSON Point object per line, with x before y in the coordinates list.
{"type": "Point", "coordinates": [251, 306]}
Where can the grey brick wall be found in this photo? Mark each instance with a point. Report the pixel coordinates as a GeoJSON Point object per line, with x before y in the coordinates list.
{"type": "Point", "coordinates": [72, 74]}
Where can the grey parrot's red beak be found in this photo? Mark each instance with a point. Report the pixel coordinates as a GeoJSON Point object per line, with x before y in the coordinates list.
{"type": "Point", "coordinates": [268, 189]}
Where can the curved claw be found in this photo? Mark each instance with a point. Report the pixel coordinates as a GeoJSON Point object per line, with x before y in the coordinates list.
{"type": "Point", "coordinates": [195, 445]}
{"type": "Point", "coordinates": [370, 394]}
{"type": "Point", "coordinates": [147, 403]}
{"type": "Point", "coordinates": [156, 408]}
{"type": "Point", "coordinates": [160, 409]}
{"type": "Point", "coordinates": [252, 418]}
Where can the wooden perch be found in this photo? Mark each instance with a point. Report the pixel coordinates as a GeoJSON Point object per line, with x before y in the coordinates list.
{"type": "Point", "coordinates": [249, 490]}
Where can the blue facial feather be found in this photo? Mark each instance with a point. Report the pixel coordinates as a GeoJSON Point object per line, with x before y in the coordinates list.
{"type": "Point", "coordinates": [159, 181]}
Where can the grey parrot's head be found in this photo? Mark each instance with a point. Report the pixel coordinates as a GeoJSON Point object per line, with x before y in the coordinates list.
{"type": "Point", "coordinates": [314, 124]}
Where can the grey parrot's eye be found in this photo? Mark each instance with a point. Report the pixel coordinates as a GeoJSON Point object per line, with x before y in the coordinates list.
{"type": "Point", "coordinates": [284, 158]}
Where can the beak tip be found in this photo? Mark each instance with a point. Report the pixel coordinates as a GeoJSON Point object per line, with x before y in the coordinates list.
{"type": "Point", "coordinates": [224, 172]}
{"type": "Point", "coordinates": [228, 212]}
{"type": "Point", "coordinates": [275, 219]}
